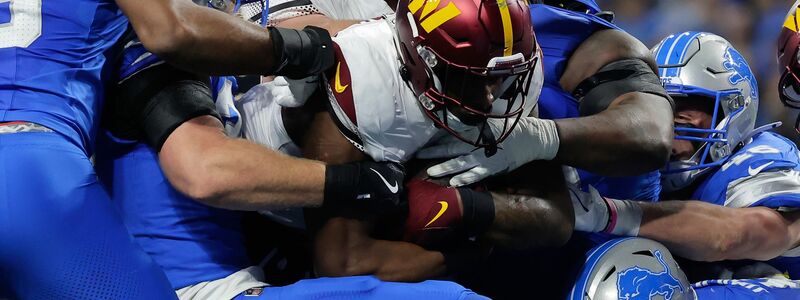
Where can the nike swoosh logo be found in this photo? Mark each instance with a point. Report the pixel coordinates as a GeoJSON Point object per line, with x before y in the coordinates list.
{"type": "Point", "coordinates": [440, 213]}
{"type": "Point", "coordinates": [755, 171]}
{"type": "Point", "coordinates": [337, 82]}
{"type": "Point", "coordinates": [392, 188]}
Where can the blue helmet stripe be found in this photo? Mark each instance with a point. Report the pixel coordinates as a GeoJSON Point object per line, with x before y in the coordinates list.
{"type": "Point", "coordinates": [677, 54]}
{"type": "Point", "coordinates": [661, 55]}
{"type": "Point", "coordinates": [671, 57]}
{"type": "Point", "coordinates": [591, 262]}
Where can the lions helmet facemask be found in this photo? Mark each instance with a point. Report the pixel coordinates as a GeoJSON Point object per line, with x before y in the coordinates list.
{"type": "Point", "coordinates": [628, 267]}
{"type": "Point", "coordinates": [451, 49]}
{"type": "Point", "coordinates": [700, 66]}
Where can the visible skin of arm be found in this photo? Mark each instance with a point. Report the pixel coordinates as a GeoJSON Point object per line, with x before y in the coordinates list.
{"type": "Point", "coordinates": [199, 39]}
{"type": "Point", "coordinates": [344, 247]}
{"type": "Point", "coordinates": [634, 134]}
{"type": "Point", "coordinates": [532, 208]}
{"type": "Point", "coordinates": [706, 232]}
{"type": "Point", "coordinates": [523, 222]}
{"type": "Point", "coordinates": [203, 163]}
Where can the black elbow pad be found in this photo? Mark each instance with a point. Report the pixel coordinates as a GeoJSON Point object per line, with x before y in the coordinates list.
{"type": "Point", "coordinates": [597, 92]}
{"type": "Point", "coordinates": [150, 105]}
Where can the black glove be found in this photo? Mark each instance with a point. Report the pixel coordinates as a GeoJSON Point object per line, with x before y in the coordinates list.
{"type": "Point", "coordinates": [301, 53]}
{"type": "Point", "coordinates": [374, 186]}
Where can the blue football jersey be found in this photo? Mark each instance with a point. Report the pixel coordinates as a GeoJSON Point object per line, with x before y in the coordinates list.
{"type": "Point", "coordinates": [762, 173]}
{"type": "Point", "coordinates": [765, 172]}
{"type": "Point", "coordinates": [192, 242]}
{"type": "Point", "coordinates": [53, 66]}
{"type": "Point", "coordinates": [748, 289]}
{"type": "Point", "coordinates": [559, 33]}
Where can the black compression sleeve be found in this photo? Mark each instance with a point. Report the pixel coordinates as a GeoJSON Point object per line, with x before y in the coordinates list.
{"type": "Point", "coordinates": [172, 106]}
{"type": "Point", "coordinates": [149, 105]}
{"type": "Point", "coordinates": [597, 92]}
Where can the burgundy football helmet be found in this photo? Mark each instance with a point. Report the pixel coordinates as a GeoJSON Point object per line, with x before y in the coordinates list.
{"type": "Point", "coordinates": [461, 56]}
{"type": "Point", "coordinates": [789, 61]}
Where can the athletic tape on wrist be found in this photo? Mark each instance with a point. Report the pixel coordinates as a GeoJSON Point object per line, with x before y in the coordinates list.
{"type": "Point", "coordinates": [625, 217]}
{"type": "Point", "coordinates": [550, 139]}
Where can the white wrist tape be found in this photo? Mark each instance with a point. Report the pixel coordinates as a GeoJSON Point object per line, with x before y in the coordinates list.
{"type": "Point", "coordinates": [625, 217]}
{"type": "Point", "coordinates": [548, 134]}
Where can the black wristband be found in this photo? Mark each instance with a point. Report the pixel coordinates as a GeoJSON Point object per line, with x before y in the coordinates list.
{"type": "Point", "coordinates": [301, 53]}
{"type": "Point", "coordinates": [277, 50]}
{"type": "Point", "coordinates": [478, 211]}
{"type": "Point", "coordinates": [340, 184]}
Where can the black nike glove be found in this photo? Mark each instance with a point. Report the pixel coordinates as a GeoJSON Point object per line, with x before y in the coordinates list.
{"type": "Point", "coordinates": [301, 53]}
{"type": "Point", "coordinates": [374, 186]}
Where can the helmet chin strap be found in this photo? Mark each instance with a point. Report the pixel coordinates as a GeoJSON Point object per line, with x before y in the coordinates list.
{"type": "Point", "coordinates": [677, 181]}
{"type": "Point", "coordinates": [761, 129]}
{"type": "Point", "coordinates": [680, 180]}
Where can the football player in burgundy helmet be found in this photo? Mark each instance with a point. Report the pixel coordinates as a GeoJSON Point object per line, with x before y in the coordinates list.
{"type": "Point", "coordinates": [789, 61]}
{"type": "Point", "coordinates": [465, 68]}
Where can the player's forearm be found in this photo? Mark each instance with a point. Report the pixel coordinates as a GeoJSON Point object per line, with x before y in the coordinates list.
{"type": "Point", "coordinates": [707, 232]}
{"type": "Point", "coordinates": [200, 39]}
{"type": "Point", "coordinates": [523, 222]}
{"type": "Point", "coordinates": [405, 262]}
{"type": "Point", "coordinates": [202, 163]}
{"type": "Point", "coordinates": [344, 248]}
{"type": "Point", "coordinates": [631, 137]}
{"type": "Point", "coordinates": [252, 178]}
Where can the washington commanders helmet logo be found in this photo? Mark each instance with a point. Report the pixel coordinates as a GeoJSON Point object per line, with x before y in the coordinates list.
{"type": "Point", "coordinates": [429, 21]}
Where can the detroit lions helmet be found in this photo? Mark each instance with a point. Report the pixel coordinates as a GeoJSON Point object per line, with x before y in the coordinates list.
{"type": "Point", "coordinates": [631, 268]}
{"type": "Point", "coordinates": [449, 49]}
{"type": "Point", "coordinates": [703, 65]}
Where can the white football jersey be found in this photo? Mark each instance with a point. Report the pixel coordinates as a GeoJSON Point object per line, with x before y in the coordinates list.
{"type": "Point", "coordinates": [281, 10]}
{"type": "Point", "coordinates": [375, 109]}
{"type": "Point", "coordinates": [353, 9]}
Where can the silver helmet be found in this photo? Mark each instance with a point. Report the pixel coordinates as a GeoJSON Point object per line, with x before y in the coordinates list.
{"type": "Point", "coordinates": [631, 268]}
{"type": "Point", "coordinates": [706, 65]}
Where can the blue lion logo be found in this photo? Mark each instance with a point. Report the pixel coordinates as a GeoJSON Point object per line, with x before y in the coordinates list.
{"type": "Point", "coordinates": [641, 284]}
{"type": "Point", "coordinates": [734, 62]}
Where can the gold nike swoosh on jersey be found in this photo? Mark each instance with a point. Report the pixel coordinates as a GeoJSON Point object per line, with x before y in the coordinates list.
{"type": "Point", "coordinates": [337, 82]}
{"type": "Point", "coordinates": [440, 213]}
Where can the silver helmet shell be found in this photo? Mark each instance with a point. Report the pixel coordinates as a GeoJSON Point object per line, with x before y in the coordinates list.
{"type": "Point", "coordinates": [631, 268]}
{"type": "Point", "coordinates": [705, 64]}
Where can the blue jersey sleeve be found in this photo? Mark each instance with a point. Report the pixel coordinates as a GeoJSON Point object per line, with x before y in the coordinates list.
{"type": "Point", "coordinates": [763, 173]}
{"type": "Point", "coordinates": [746, 289]}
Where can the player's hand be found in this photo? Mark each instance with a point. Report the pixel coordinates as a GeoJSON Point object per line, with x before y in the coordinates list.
{"type": "Point", "coordinates": [439, 215]}
{"type": "Point", "coordinates": [591, 209]}
{"type": "Point", "coordinates": [371, 185]}
{"type": "Point", "coordinates": [291, 92]}
{"type": "Point", "coordinates": [532, 139]}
